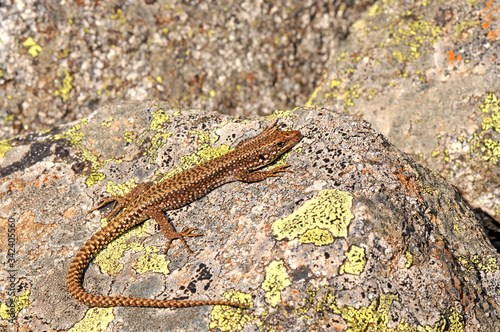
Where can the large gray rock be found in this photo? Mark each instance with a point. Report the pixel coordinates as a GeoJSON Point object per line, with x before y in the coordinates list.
{"type": "Point", "coordinates": [359, 238]}
{"type": "Point", "coordinates": [425, 75]}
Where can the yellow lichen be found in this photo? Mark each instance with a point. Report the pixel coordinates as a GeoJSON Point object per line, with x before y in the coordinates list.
{"type": "Point", "coordinates": [309, 102]}
{"type": "Point", "coordinates": [489, 264]}
{"type": "Point", "coordinates": [371, 318]}
{"type": "Point", "coordinates": [151, 261]}
{"type": "Point", "coordinates": [108, 123]}
{"type": "Point", "coordinates": [329, 211]}
{"type": "Point", "coordinates": [280, 114]}
{"type": "Point", "coordinates": [120, 189]}
{"type": "Point", "coordinates": [119, 15]}
{"type": "Point", "coordinates": [159, 118]}
{"type": "Point", "coordinates": [128, 135]}
{"type": "Point", "coordinates": [66, 88]}
{"type": "Point", "coordinates": [317, 236]}
{"type": "Point", "coordinates": [276, 280]}
{"type": "Point", "coordinates": [94, 177]}
{"type": "Point", "coordinates": [355, 261]}
{"type": "Point", "coordinates": [492, 150]}
{"type": "Point", "coordinates": [491, 105]}
{"type": "Point", "coordinates": [409, 259]}
{"type": "Point", "coordinates": [73, 135]}
{"type": "Point", "coordinates": [456, 324]}
{"type": "Point", "coordinates": [197, 158]}
{"type": "Point", "coordinates": [490, 146]}
{"type": "Point", "coordinates": [4, 147]}
{"type": "Point", "coordinates": [96, 319]}
{"type": "Point", "coordinates": [226, 318]}
{"type": "Point", "coordinates": [17, 303]}
{"type": "Point", "coordinates": [34, 48]}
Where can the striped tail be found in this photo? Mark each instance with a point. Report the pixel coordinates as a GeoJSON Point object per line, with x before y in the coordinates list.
{"type": "Point", "coordinates": [87, 253]}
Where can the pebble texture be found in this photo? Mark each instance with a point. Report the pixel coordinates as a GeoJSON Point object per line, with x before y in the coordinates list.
{"type": "Point", "coordinates": [359, 238]}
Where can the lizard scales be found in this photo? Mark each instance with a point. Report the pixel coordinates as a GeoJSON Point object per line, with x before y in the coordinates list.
{"type": "Point", "coordinates": [149, 200]}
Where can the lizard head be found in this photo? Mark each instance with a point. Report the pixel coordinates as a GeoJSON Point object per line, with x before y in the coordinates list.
{"type": "Point", "coordinates": [269, 145]}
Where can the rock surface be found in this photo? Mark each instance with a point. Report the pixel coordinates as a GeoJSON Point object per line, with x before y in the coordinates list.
{"type": "Point", "coordinates": [359, 238]}
{"type": "Point", "coordinates": [425, 74]}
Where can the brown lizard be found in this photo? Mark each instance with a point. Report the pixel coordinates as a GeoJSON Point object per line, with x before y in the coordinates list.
{"type": "Point", "coordinates": [149, 200]}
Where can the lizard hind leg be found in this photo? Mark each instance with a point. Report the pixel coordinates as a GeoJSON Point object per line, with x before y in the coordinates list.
{"type": "Point", "coordinates": [168, 230]}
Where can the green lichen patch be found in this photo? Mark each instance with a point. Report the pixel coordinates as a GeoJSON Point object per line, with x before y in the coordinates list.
{"type": "Point", "coordinates": [9, 312]}
{"type": "Point", "coordinates": [330, 211]}
{"type": "Point", "coordinates": [74, 134]}
{"type": "Point", "coordinates": [75, 137]}
{"type": "Point", "coordinates": [409, 259]}
{"type": "Point", "coordinates": [120, 189]}
{"type": "Point", "coordinates": [375, 317]}
{"type": "Point", "coordinates": [66, 87]}
{"type": "Point", "coordinates": [33, 48]}
{"type": "Point", "coordinates": [108, 123]}
{"type": "Point", "coordinates": [372, 318]}
{"type": "Point", "coordinates": [159, 118]}
{"type": "Point", "coordinates": [279, 114]}
{"type": "Point", "coordinates": [413, 35]}
{"type": "Point", "coordinates": [276, 280]}
{"type": "Point", "coordinates": [355, 261]}
{"type": "Point", "coordinates": [492, 149]}
{"type": "Point", "coordinates": [490, 146]}
{"type": "Point", "coordinates": [94, 177]}
{"type": "Point", "coordinates": [4, 147]}
{"type": "Point", "coordinates": [159, 140]}
{"type": "Point", "coordinates": [108, 257]}
{"type": "Point", "coordinates": [491, 106]}
{"type": "Point", "coordinates": [151, 261]}
{"type": "Point", "coordinates": [226, 318]}
{"type": "Point", "coordinates": [96, 319]}
{"type": "Point", "coordinates": [317, 236]}
{"type": "Point", "coordinates": [475, 262]}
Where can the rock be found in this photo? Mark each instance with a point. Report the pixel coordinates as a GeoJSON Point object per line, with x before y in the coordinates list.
{"type": "Point", "coordinates": [360, 237]}
{"type": "Point", "coordinates": [426, 76]}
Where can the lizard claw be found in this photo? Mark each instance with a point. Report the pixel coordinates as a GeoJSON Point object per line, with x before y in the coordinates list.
{"type": "Point", "coordinates": [119, 203]}
{"type": "Point", "coordinates": [275, 171]}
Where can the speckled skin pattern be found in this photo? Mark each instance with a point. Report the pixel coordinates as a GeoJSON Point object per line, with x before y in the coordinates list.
{"type": "Point", "coordinates": [148, 200]}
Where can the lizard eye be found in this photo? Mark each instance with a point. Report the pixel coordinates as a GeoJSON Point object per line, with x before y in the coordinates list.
{"type": "Point", "coordinates": [281, 144]}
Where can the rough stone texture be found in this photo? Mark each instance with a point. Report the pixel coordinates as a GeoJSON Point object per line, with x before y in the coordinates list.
{"type": "Point", "coordinates": [359, 238]}
{"type": "Point", "coordinates": [59, 61]}
{"type": "Point", "coordinates": [425, 74]}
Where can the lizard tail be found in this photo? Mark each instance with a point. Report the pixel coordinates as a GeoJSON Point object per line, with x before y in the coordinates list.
{"type": "Point", "coordinates": [83, 258]}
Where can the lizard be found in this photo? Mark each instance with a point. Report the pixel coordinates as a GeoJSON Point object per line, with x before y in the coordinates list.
{"type": "Point", "coordinates": [149, 201]}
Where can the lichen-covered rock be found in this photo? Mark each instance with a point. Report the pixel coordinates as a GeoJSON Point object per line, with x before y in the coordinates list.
{"type": "Point", "coordinates": [359, 238]}
{"type": "Point", "coordinates": [425, 74]}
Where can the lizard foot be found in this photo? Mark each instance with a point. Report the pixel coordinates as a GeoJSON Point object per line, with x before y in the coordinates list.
{"type": "Point", "coordinates": [119, 203]}
{"type": "Point", "coordinates": [186, 232]}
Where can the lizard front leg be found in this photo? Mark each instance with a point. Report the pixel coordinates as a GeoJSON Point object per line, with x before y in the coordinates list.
{"type": "Point", "coordinates": [261, 175]}
{"type": "Point", "coordinates": [168, 230]}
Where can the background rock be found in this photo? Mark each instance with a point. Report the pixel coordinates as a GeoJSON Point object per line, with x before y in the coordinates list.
{"type": "Point", "coordinates": [59, 62]}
